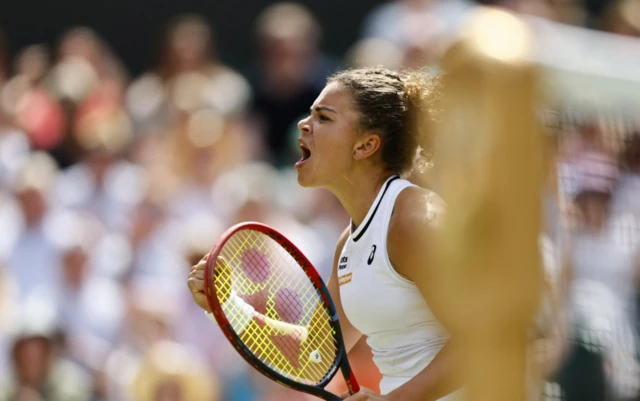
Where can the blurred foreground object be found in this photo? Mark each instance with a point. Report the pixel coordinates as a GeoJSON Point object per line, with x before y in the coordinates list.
{"type": "Point", "coordinates": [489, 170]}
{"type": "Point", "coordinates": [503, 79]}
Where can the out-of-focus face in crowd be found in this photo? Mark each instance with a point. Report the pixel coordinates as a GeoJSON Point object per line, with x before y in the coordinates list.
{"type": "Point", "coordinates": [288, 39]}
{"type": "Point", "coordinates": [33, 205]}
{"type": "Point", "coordinates": [32, 357]}
{"type": "Point", "coordinates": [189, 43]}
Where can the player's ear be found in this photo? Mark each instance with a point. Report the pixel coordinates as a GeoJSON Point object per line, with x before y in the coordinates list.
{"type": "Point", "coordinates": [366, 145]}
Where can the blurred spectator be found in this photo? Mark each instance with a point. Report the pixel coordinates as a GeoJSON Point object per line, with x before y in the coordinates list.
{"type": "Point", "coordinates": [30, 66]}
{"type": "Point", "coordinates": [4, 57]}
{"type": "Point", "coordinates": [12, 223]}
{"type": "Point", "coordinates": [418, 27]}
{"type": "Point", "coordinates": [27, 101]}
{"type": "Point", "coordinates": [32, 261]}
{"type": "Point", "coordinates": [600, 296]}
{"type": "Point", "coordinates": [288, 77]}
{"type": "Point", "coordinates": [39, 371]}
{"type": "Point", "coordinates": [547, 9]}
{"type": "Point", "coordinates": [84, 63]}
{"type": "Point", "coordinates": [626, 196]}
{"type": "Point", "coordinates": [14, 152]}
{"type": "Point", "coordinates": [7, 309]}
{"type": "Point", "coordinates": [583, 149]}
{"type": "Point", "coordinates": [91, 309]}
{"type": "Point", "coordinates": [625, 203]}
{"type": "Point", "coordinates": [169, 372]}
{"type": "Point", "coordinates": [373, 52]}
{"type": "Point", "coordinates": [88, 81]}
{"type": "Point", "coordinates": [189, 77]}
{"type": "Point", "coordinates": [625, 208]}
{"type": "Point", "coordinates": [188, 113]}
{"type": "Point", "coordinates": [200, 152]}
{"type": "Point", "coordinates": [621, 17]}
{"type": "Point", "coordinates": [103, 184]}
{"type": "Point", "coordinates": [155, 254]}
{"type": "Point", "coordinates": [149, 312]}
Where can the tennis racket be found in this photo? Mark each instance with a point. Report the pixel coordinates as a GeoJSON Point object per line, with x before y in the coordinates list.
{"type": "Point", "coordinates": [274, 308]}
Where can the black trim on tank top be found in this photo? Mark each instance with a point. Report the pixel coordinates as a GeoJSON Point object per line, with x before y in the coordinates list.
{"type": "Point", "coordinates": [374, 210]}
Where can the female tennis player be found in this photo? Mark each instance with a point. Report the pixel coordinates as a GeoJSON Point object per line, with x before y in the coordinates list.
{"type": "Point", "coordinates": [362, 135]}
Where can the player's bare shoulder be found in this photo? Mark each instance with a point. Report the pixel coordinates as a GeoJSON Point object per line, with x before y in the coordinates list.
{"type": "Point", "coordinates": [419, 205]}
{"type": "Point", "coordinates": [417, 212]}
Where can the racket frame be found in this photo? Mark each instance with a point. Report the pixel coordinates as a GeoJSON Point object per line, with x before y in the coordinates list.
{"type": "Point", "coordinates": [340, 362]}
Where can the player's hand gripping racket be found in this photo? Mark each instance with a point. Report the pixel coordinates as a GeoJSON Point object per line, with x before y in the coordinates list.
{"type": "Point", "coordinates": [275, 309]}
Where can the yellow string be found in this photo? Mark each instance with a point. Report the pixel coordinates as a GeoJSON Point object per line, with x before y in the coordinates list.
{"type": "Point", "coordinates": [285, 273]}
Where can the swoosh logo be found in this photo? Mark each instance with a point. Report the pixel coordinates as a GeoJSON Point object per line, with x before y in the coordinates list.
{"type": "Point", "coordinates": [372, 255]}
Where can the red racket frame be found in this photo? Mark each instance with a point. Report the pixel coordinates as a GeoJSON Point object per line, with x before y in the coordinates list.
{"type": "Point", "coordinates": [341, 361]}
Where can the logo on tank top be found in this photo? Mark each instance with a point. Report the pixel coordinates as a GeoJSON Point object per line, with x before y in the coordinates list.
{"type": "Point", "coordinates": [343, 263]}
{"type": "Point", "coordinates": [372, 255]}
{"type": "Point", "coordinates": [344, 279]}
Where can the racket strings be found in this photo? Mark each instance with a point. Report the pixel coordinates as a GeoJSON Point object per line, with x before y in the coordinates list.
{"type": "Point", "coordinates": [311, 302]}
{"type": "Point", "coordinates": [291, 347]}
{"type": "Point", "coordinates": [267, 277]}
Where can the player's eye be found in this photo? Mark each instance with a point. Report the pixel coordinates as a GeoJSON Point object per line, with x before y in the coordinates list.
{"type": "Point", "coordinates": [323, 118]}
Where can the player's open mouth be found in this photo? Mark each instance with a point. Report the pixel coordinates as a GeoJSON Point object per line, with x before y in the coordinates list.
{"type": "Point", "coordinates": [306, 154]}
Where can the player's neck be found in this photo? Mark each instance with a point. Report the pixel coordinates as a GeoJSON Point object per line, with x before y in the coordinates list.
{"type": "Point", "coordinates": [357, 194]}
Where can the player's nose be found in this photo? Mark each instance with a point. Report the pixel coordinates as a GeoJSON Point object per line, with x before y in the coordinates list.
{"type": "Point", "coordinates": [304, 126]}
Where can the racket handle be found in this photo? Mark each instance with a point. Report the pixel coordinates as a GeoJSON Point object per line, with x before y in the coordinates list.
{"type": "Point", "coordinates": [352, 383]}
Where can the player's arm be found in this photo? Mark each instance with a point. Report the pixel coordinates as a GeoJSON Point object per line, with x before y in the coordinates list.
{"type": "Point", "coordinates": [350, 334]}
{"type": "Point", "coordinates": [412, 226]}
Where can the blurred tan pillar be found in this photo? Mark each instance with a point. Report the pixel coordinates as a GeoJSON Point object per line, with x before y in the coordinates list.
{"type": "Point", "coordinates": [488, 165]}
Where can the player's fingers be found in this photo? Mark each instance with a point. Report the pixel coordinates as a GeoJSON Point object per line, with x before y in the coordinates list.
{"type": "Point", "coordinates": [195, 284]}
{"type": "Point", "coordinates": [355, 397]}
{"type": "Point", "coordinates": [362, 395]}
{"type": "Point", "coordinates": [196, 287]}
{"type": "Point", "coordinates": [201, 300]}
{"type": "Point", "coordinates": [198, 274]}
{"type": "Point", "coordinates": [201, 264]}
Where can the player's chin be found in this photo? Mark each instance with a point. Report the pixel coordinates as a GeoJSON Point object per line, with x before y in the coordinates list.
{"type": "Point", "coordinates": [305, 179]}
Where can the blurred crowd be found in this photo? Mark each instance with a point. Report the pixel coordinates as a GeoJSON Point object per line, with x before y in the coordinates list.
{"type": "Point", "coordinates": [591, 250]}
{"type": "Point", "coordinates": [112, 186]}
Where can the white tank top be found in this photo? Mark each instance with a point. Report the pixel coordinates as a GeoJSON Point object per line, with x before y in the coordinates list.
{"type": "Point", "coordinates": [389, 309]}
